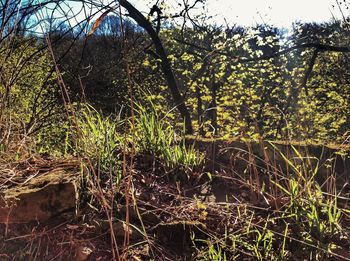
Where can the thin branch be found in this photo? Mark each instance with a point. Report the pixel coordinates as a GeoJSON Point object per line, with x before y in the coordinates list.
{"type": "Point", "coordinates": [319, 47]}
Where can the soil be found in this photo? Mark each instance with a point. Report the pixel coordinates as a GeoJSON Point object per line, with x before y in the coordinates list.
{"type": "Point", "coordinates": [50, 222]}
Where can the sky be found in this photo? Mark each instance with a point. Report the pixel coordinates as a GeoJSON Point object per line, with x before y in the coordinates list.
{"type": "Point", "coordinates": [280, 13]}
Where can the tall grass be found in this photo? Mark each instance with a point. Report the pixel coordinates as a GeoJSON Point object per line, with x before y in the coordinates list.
{"type": "Point", "coordinates": [306, 222]}
{"type": "Point", "coordinates": [313, 208]}
{"type": "Point", "coordinates": [97, 139]}
{"type": "Point", "coordinates": [158, 137]}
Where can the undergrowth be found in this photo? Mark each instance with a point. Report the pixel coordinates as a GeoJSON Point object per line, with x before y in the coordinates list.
{"type": "Point", "coordinates": [158, 137]}
{"type": "Point", "coordinates": [303, 220]}
{"type": "Point", "coordinates": [289, 213]}
{"type": "Point", "coordinates": [97, 139]}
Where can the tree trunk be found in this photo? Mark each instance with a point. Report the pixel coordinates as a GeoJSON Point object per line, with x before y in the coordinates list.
{"type": "Point", "coordinates": [168, 73]}
{"type": "Point", "coordinates": [213, 109]}
{"type": "Point", "coordinates": [199, 111]}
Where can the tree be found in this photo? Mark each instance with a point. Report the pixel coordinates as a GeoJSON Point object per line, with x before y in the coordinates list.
{"type": "Point", "coordinates": [178, 99]}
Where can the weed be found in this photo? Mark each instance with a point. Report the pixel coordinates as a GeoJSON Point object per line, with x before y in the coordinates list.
{"type": "Point", "coordinates": [158, 137]}
{"type": "Point", "coordinates": [98, 140]}
{"type": "Point", "coordinates": [316, 216]}
{"type": "Point", "coordinates": [209, 250]}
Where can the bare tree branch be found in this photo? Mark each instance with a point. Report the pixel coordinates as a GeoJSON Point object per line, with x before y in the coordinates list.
{"type": "Point", "coordinates": [141, 20]}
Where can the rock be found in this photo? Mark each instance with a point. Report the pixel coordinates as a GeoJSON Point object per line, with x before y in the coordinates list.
{"type": "Point", "coordinates": [40, 199]}
{"type": "Point", "coordinates": [82, 253]}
